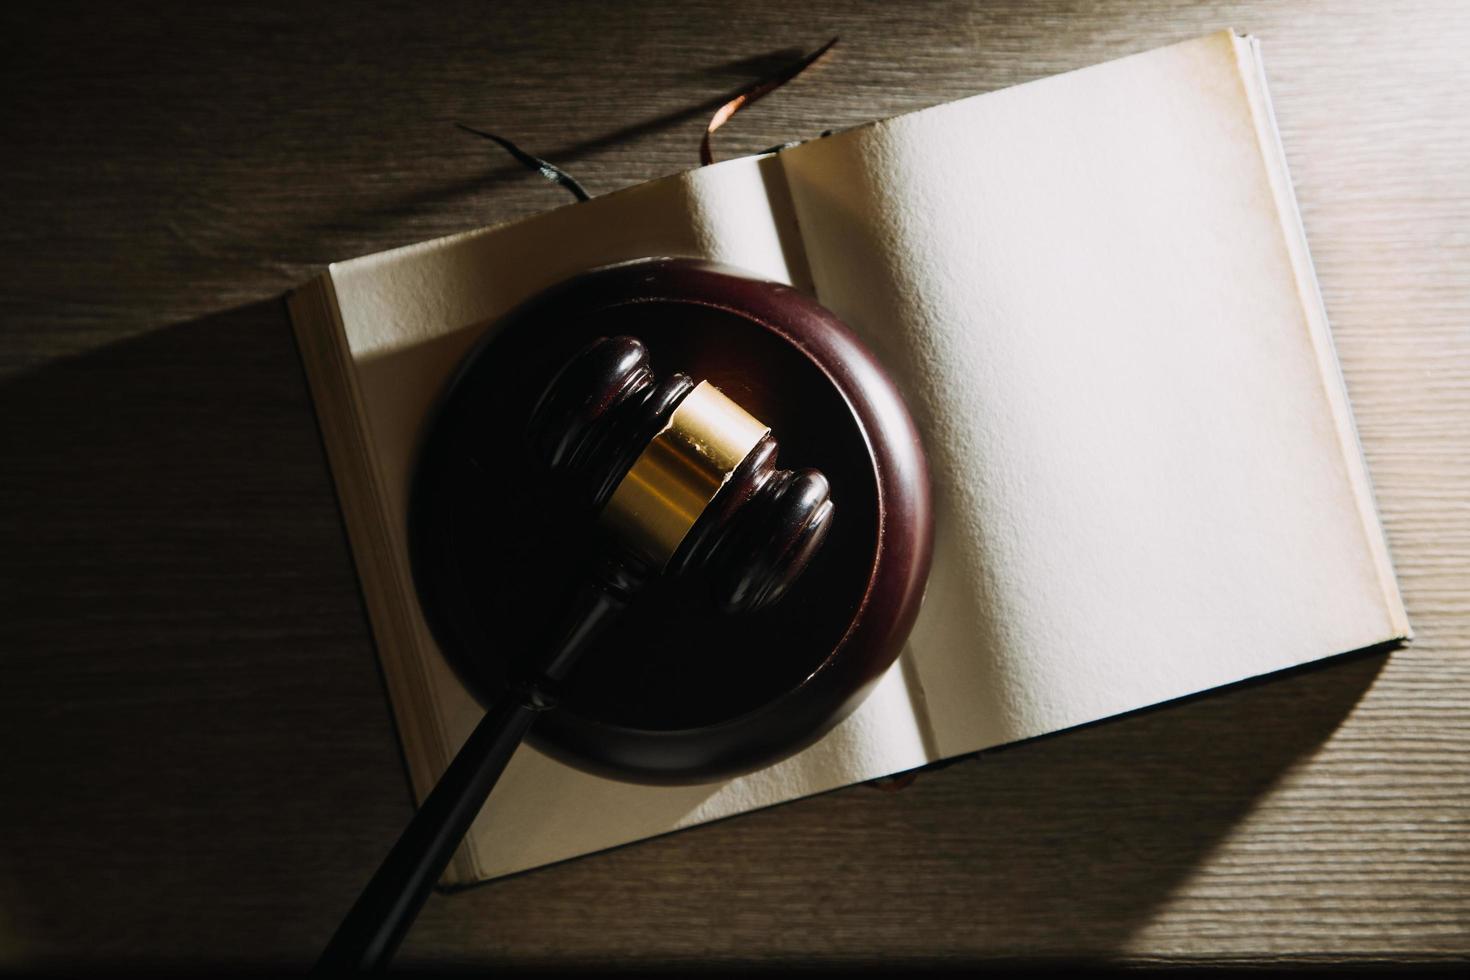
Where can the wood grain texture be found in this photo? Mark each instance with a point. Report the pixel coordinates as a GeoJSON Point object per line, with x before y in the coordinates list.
{"type": "Point", "coordinates": [197, 756]}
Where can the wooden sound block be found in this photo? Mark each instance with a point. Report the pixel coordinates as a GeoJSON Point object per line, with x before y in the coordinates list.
{"type": "Point", "coordinates": [677, 691]}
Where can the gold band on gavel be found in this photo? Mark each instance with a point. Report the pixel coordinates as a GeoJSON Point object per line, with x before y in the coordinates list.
{"type": "Point", "coordinates": [673, 480]}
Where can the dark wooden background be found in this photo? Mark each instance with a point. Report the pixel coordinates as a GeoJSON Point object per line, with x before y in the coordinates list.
{"type": "Point", "coordinates": [196, 754]}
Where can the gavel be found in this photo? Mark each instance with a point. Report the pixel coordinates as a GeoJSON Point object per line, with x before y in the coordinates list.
{"type": "Point", "coordinates": [684, 482]}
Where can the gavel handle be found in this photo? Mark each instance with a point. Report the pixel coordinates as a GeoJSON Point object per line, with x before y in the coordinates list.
{"type": "Point", "coordinates": [377, 923]}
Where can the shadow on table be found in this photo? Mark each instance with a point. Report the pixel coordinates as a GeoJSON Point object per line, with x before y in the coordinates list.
{"type": "Point", "coordinates": [197, 758]}
{"type": "Point", "coordinates": [1062, 847]}
{"type": "Point", "coordinates": [199, 763]}
{"type": "Point", "coordinates": [570, 154]}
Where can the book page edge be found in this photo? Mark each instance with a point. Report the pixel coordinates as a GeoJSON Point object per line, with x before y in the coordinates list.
{"type": "Point", "coordinates": [316, 322]}
{"type": "Point", "coordinates": [1253, 76]}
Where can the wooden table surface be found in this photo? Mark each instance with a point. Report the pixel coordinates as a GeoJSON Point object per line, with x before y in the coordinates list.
{"type": "Point", "coordinates": [197, 756]}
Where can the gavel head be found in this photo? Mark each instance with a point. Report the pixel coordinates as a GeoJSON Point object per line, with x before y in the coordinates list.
{"type": "Point", "coordinates": [680, 480]}
{"type": "Point", "coordinates": [684, 480]}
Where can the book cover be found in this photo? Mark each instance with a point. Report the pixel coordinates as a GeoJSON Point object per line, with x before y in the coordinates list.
{"type": "Point", "coordinates": [1096, 294]}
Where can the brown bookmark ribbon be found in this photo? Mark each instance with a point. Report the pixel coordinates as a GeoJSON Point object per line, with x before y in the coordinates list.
{"type": "Point", "coordinates": [754, 92]}
{"type": "Point", "coordinates": [546, 169]}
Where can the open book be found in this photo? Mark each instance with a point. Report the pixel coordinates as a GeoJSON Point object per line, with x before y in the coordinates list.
{"type": "Point", "coordinates": [1094, 291]}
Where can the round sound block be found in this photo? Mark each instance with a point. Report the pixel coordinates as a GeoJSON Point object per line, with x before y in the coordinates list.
{"type": "Point", "coordinates": [676, 691]}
